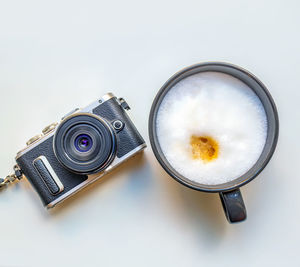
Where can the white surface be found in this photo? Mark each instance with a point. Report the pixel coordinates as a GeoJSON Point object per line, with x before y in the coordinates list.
{"type": "Point", "coordinates": [56, 55]}
{"type": "Point", "coordinates": [216, 105]}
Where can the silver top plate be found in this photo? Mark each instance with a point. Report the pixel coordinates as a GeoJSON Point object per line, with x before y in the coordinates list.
{"type": "Point", "coordinates": [87, 109]}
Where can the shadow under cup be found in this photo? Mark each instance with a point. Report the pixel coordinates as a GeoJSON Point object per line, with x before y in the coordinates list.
{"type": "Point", "coordinates": [230, 194]}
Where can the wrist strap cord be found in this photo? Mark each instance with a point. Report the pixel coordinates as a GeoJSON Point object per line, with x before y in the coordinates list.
{"type": "Point", "coordinates": [9, 179]}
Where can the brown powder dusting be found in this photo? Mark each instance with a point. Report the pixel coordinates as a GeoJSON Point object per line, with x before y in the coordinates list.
{"type": "Point", "coordinates": [204, 147]}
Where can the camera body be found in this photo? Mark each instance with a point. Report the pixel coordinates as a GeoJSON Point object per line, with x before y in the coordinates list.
{"type": "Point", "coordinates": [83, 147]}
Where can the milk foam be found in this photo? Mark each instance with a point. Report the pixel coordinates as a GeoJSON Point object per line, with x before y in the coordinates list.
{"type": "Point", "coordinates": [217, 105]}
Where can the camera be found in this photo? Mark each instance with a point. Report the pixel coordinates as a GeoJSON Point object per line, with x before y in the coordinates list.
{"type": "Point", "coordinates": [83, 147]}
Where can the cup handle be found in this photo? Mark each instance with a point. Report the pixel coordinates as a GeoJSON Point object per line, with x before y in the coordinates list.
{"type": "Point", "coordinates": [233, 205]}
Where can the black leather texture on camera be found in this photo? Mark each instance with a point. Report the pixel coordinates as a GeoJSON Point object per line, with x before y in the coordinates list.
{"type": "Point", "coordinates": [128, 138]}
{"type": "Point", "coordinates": [68, 179]}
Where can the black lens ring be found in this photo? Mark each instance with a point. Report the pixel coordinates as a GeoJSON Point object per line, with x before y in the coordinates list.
{"type": "Point", "coordinates": [69, 142]}
{"type": "Point", "coordinates": [108, 144]}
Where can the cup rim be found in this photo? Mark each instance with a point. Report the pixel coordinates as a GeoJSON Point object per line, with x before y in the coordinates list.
{"type": "Point", "coordinates": [255, 169]}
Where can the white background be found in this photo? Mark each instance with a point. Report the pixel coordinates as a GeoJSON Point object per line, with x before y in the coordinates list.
{"type": "Point", "coordinates": [57, 55]}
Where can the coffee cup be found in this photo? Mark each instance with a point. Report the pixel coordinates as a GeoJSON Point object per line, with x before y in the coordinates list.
{"type": "Point", "coordinates": [229, 190]}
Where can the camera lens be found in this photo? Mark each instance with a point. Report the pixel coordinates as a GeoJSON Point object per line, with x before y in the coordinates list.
{"type": "Point", "coordinates": [84, 143]}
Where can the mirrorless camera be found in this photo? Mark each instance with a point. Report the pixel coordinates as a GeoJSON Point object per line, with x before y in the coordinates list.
{"type": "Point", "coordinates": [83, 147]}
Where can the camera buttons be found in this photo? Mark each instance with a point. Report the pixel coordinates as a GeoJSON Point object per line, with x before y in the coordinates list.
{"type": "Point", "coordinates": [49, 128]}
{"type": "Point", "coordinates": [118, 125]}
{"type": "Point", "coordinates": [124, 104]}
{"type": "Point", "coordinates": [33, 139]}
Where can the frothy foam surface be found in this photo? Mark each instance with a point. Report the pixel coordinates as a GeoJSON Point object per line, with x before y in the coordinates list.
{"type": "Point", "coordinates": [219, 106]}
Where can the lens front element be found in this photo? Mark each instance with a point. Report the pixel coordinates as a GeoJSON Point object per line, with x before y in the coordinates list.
{"type": "Point", "coordinates": [84, 143]}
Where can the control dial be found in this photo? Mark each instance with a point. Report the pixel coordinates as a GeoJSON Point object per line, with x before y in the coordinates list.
{"type": "Point", "coordinates": [33, 139]}
{"type": "Point", "coordinates": [49, 128]}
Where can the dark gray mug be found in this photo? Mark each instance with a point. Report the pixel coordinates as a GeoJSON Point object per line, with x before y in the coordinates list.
{"type": "Point", "coordinates": [230, 194]}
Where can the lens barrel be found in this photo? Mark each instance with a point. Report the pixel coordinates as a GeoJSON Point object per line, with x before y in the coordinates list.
{"type": "Point", "coordinates": [84, 143]}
